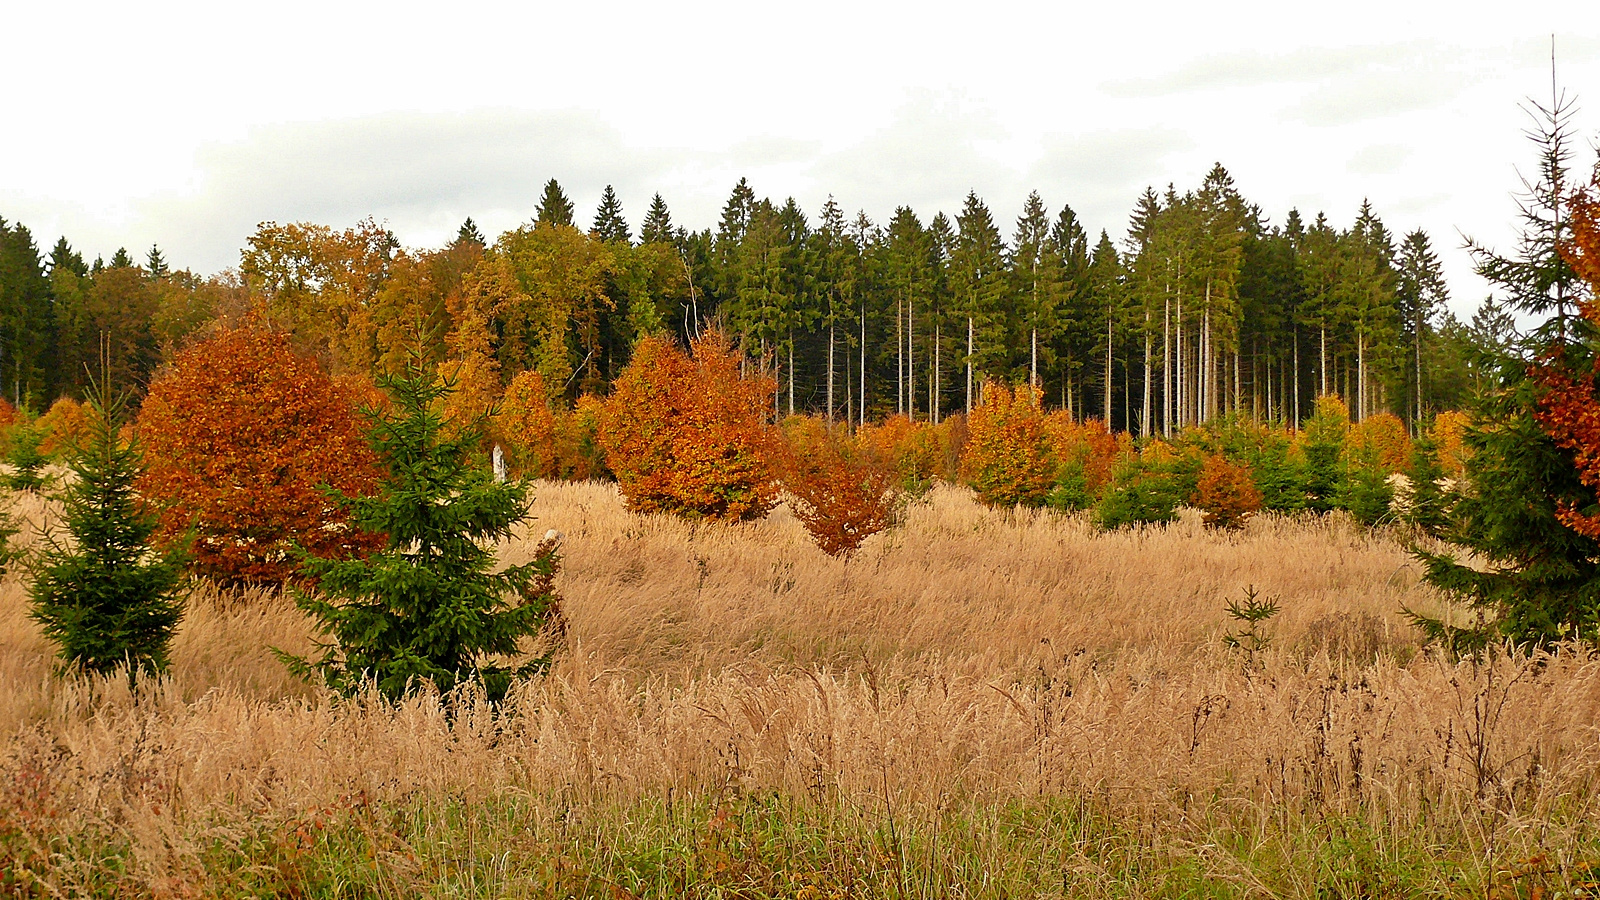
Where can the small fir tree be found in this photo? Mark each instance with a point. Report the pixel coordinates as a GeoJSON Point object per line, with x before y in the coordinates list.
{"type": "Point", "coordinates": [27, 460]}
{"type": "Point", "coordinates": [554, 207]}
{"type": "Point", "coordinates": [430, 607]}
{"type": "Point", "coordinates": [108, 597]}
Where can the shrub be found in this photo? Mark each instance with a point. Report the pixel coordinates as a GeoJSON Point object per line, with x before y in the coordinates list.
{"type": "Point", "coordinates": [1007, 458]}
{"type": "Point", "coordinates": [244, 435]}
{"type": "Point", "coordinates": [1322, 444]}
{"type": "Point", "coordinates": [1366, 491]}
{"type": "Point", "coordinates": [526, 426]}
{"type": "Point", "coordinates": [686, 434]}
{"type": "Point", "coordinates": [843, 491]}
{"type": "Point", "coordinates": [911, 449]}
{"type": "Point", "coordinates": [106, 598]}
{"type": "Point", "coordinates": [1085, 455]}
{"type": "Point", "coordinates": [1226, 494]}
{"type": "Point", "coordinates": [26, 460]}
{"type": "Point", "coordinates": [1146, 489]}
{"type": "Point", "coordinates": [1448, 432]}
{"type": "Point", "coordinates": [1382, 438]}
{"type": "Point", "coordinates": [429, 607]}
{"type": "Point", "coordinates": [1278, 475]}
{"type": "Point", "coordinates": [64, 426]}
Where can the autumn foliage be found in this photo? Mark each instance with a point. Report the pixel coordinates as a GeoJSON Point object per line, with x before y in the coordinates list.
{"type": "Point", "coordinates": [1008, 458]}
{"type": "Point", "coordinates": [63, 427]}
{"type": "Point", "coordinates": [1568, 409]}
{"type": "Point", "coordinates": [1226, 494]}
{"type": "Point", "coordinates": [242, 437]}
{"type": "Point", "coordinates": [684, 433]}
{"type": "Point", "coordinates": [843, 490]}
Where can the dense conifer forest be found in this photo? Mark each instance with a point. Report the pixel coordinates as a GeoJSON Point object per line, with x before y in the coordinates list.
{"type": "Point", "coordinates": [1204, 305]}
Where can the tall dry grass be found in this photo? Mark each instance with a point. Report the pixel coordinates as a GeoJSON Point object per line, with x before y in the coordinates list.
{"type": "Point", "coordinates": [972, 657]}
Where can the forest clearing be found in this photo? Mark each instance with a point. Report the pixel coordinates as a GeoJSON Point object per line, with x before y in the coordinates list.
{"type": "Point", "coordinates": [980, 703]}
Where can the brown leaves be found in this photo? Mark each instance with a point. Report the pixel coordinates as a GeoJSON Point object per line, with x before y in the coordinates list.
{"type": "Point", "coordinates": [686, 434]}
{"type": "Point", "coordinates": [241, 436]}
{"type": "Point", "coordinates": [844, 492]}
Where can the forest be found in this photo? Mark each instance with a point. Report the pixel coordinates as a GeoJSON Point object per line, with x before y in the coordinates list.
{"type": "Point", "coordinates": [1202, 308]}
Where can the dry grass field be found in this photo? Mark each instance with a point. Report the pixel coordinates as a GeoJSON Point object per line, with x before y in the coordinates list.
{"type": "Point", "coordinates": [980, 704]}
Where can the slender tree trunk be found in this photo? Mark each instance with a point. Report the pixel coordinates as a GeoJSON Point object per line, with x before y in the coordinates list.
{"type": "Point", "coordinates": [933, 391]}
{"type": "Point", "coordinates": [1033, 359]}
{"type": "Point", "coordinates": [791, 373]}
{"type": "Point", "coordinates": [863, 420]}
{"type": "Point", "coordinates": [1166, 368]}
{"type": "Point", "coordinates": [899, 359]}
{"type": "Point", "coordinates": [830, 371]}
{"type": "Point", "coordinates": [911, 358]}
{"type": "Point", "coordinates": [1144, 415]}
{"type": "Point", "coordinates": [1322, 363]}
{"type": "Point", "coordinates": [969, 365]}
{"type": "Point", "coordinates": [1297, 378]}
{"type": "Point", "coordinates": [1110, 322]}
{"type": "Point", "coordinates": [1361, 376]}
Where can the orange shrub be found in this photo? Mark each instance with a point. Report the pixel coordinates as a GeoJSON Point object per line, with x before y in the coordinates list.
{"type": "Point", "coordinates": [685, 434]}
{"type": "Point", "coordinates": [1449, 429]}
{"type": "Point", "coordinates": [1226, 493]}
{"type": "Point", "coordinates": [1384, 438]}
{"type": "Point", "coordinates": [1007, 458]}
{"type": "Point", "coordinates": [63, 427]}
{"type": "Point", "coordinates": [843, 491]}
{"type": "Point", "coordinates": [526, 427]}
{"type": "Point", "coordinates": [910, 448]}
{"type": "Point", "coordinates": [1087, 444]}
{"type": "Point", "coordinates": [241, 435]}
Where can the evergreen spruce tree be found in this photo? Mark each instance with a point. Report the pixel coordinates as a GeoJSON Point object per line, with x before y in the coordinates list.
{"type": "Point", "coordinates": [25, 460]}
{"type": "Point", "coordinates": [609, 225]}
{"type": "Point", "coordinates": [468, 233]}
{"type": "Point", "coordinates": [1538, 580]}
{"type": "Point", "coordinates": [430, 606]}
{"type": "Point", "coordinates": [657, 226]}
{"type": "Point", "coordinates": [554, 207]}
{"type": "Point", "coordinates": [107, 598]}
{"type": "Point", "coordinates": [121, 259]}
{"type": "Point", "coordinates": [155, 263]}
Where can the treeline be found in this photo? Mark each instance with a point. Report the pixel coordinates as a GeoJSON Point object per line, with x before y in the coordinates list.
{"type": "Point", "coordinates": [1204, 309]}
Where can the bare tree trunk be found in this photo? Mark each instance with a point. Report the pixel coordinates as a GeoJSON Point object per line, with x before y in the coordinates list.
{"type": "Point", "coordinates": [791, 373]}
{"type": "Point", "coordinates": [1107, 407]}
{"type": "Point", "coordinates": [911, 360]}
{"type": "Point", "coordinates": [1144, 416]}
{"type": "Point", "coordinates": [863, 362]}
{"type": "Point", "coordinates": [830, 372]}
{"type": "Point", "coordinates": [899, 359]}
{"type": "Point", "coordinates": [1166, 368]}
{"type": "Point", "coordinates": [969, 365]}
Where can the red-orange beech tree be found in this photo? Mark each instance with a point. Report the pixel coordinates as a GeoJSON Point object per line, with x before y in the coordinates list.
{"type": "Point", "coordinates": [242, 437]}
{"type": "Point", "coordinates": [685, 433]}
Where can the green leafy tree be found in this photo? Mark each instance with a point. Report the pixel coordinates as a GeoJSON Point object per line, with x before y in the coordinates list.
{"type": "Point", "coordinates": [107, 597]}
{"type": "Point", "coordinates": [430, 607]}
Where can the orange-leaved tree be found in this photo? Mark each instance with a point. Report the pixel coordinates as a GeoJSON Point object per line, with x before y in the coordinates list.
{"type": "Point", "coordinates": [1226, 493]}
{"type": "Point", "coordinates": [243, 437]}
{"type": "Point", "coordinates": [1007, 459]}
{"type": "Point", "coordinates": [63, 427]}
{"type": "Point", "coordinates": [685, 433]}
{"type": "Point", "coordinates": [844, 491]}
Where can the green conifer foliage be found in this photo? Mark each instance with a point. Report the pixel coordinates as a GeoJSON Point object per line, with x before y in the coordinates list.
{"type": "Point", "coordinates": [430, 607]}
{"type": "Point", "coordinates": [609, 225]}
{"type": "Point", "coordinates": [554, 207]}
{"type": "Point", "coordinates": [106, 598]}
{"type": "Point", "coordinates": [26, 460]}
{"type": "Point", "coordinates": [1534, 579]}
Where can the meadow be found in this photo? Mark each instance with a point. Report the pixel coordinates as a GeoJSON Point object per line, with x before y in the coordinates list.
{"type": "Point", "coordinates": [980, 703]}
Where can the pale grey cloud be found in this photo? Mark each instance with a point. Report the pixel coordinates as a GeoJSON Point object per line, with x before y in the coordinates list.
{"type": "Point", "coordinates": [1379, 159]}
{"type": "Point", "coordinates": [1254, 68]}
{"type": "Point", "coordinates": [411, 169]}
{"type": "Point", "coordinates": [1100, 174]}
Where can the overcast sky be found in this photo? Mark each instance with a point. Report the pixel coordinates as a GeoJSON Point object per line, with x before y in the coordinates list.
{"type": "Point", "coordinates": [186, 124]}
